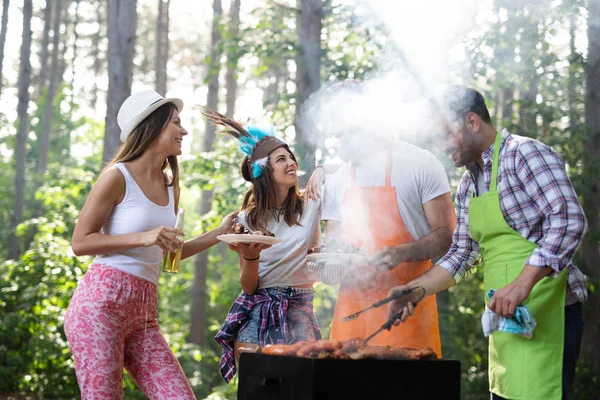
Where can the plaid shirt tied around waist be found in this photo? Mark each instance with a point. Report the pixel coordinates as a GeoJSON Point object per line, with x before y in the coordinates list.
{"type": "Point", "coordinates": [273, 324]}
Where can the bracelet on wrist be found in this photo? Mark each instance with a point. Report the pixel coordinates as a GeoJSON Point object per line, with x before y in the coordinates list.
{"type": "Point", "coordinates": [251, 259]}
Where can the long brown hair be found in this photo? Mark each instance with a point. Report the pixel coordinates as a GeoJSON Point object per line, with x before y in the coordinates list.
{"type": "Point", "coordinates": [143, 136]}
{"type": "Point", "coordinates": [259, 200]}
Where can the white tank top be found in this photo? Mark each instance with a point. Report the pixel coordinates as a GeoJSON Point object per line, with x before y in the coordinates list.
{"type": "Point", "coordinates": [136, 213]}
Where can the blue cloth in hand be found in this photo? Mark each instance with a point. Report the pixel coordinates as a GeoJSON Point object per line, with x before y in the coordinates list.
{"type": "Point", "coordinates": [522, 323]}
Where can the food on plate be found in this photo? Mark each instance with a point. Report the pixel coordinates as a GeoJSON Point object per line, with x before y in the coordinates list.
{"type": "Point", "coordinates": [349, 349]}
{"type": "Point", "coordinates": [240, 229]}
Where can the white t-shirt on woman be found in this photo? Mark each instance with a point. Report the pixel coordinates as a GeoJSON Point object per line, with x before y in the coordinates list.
{"type": "Point", "coordinates": [284, 263]}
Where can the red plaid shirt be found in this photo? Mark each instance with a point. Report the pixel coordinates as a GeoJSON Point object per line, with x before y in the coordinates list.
{"type": "Point", "coordinates": [537, 200]}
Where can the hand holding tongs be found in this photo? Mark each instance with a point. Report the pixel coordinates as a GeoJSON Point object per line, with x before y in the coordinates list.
{"type": "Point", "coordinates": [390, 322]}
{"type": "Point", "coordinates": [385, 301]}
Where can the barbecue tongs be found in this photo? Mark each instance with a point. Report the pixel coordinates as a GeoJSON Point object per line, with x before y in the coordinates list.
{"type": "Point", "coordinates": [390, 322]}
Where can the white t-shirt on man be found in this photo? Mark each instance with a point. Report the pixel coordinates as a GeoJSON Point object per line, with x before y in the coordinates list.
{"type": "Point", "coordinates": [417, 175]}
{"type": "Point", "coordinates": [284, 264]}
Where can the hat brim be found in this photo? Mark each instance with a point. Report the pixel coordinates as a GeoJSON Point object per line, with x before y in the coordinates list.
{"type": "Point", "coordinates": [126, 131]}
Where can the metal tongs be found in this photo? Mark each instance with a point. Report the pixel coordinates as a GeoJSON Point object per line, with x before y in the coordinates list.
{"type": "Point", "coordinates": [390, 322]}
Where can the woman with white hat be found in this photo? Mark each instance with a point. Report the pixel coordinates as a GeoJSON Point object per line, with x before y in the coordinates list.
{"type": "Point", "coordinates": [127, 223]}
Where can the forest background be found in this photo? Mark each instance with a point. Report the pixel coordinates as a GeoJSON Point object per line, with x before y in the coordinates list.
{"type": "Point", "coordinates": [67, 65]}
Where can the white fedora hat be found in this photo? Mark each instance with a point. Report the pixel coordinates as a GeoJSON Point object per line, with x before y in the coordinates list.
{"type": "Point", "coordinates": [138, 106]}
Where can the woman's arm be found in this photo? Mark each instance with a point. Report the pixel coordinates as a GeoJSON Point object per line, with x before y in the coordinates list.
{"type": "Point", "coordinates": [313, 190]}
{"type": "Point", "coordinates": [109, 191]}
{"type": "Point", "coordinates": [208, 239]}
{"type": "Point", "coordinates": [249, 274]}
{"type": "Point", "coordinates": [249, 260]}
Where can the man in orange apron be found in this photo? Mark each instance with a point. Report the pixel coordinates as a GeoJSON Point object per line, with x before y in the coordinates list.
{"type": "Point", "coordinates": [392, 201]}
{"type": "Point", "coordinates": [517, 208]}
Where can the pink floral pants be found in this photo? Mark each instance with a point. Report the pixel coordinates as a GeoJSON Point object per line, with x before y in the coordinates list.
{"type": "Point", "coordinates": [111, 324]}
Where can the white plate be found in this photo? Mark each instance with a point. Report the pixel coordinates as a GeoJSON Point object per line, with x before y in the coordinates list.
{"type": "Point", "coordinates": [345, 257]}
{"type": "Point", "coordinates": [248, 238]}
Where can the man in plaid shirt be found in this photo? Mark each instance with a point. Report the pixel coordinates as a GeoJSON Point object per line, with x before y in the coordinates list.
{"type": "Point", "coordinates": [534, 198]}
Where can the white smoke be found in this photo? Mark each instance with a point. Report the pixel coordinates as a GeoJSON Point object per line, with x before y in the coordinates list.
{"type": "Point", "coordinates": [424, 52]}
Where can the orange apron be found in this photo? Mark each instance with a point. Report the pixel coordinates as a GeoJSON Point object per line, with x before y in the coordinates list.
{"type": "Point", "coordinates": [370, 221]}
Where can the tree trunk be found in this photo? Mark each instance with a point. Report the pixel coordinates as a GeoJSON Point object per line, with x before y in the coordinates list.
{"type": "Point", "coordinates": [95, 54]}
{"type": "Point", "coordinates": [591, 197]}
{"type": "Point", "coordinates": [45, 48]}
{"type": "Point", "coordinates": [198, 309]}
{"type": "Point", "coordinates": [308, 76]}
{"type": "Point", "coordinates": [48, 110]}
{"type": "Point", "coordinates": [233, 52]}
{"type": "Point", "coordinates": [122, 20]}
{"type": "Point", "coordinates": [232, 57]}
{"type": "Point", "coordinates": [75, 39]}
{"type": "Point", "coordinates": [3, 29]}
{"type": "Point", "coordinates": [530, 78]}
{"type": "Point", "coordinates": [162, 46]}
{"type": "Point", "coordinates": [507, 106]}
{"type": "Point", "coordinates": [23, 130]}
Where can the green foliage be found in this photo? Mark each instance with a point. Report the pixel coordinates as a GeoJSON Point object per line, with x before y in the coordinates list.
{"type": "Point", "coordinates": [513, 61]}
{"type": "Point", "coordinates": [35, 294]}
{"type": "Point", "coordinates": [465, 339]}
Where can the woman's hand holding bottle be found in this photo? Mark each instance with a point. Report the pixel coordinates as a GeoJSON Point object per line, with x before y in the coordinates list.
{"type": "Point", "coordinates": [164, 236]}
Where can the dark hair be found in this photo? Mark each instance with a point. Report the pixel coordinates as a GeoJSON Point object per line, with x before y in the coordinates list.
{"type": "Point", "coordinates": [259, 200]}
{"type": "Point", "coordinates": [458, 101]}
{"type": "Point", "coordinates": [143, 136]}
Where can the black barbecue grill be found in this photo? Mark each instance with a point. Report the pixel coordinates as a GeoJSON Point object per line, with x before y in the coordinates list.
{"type": "Point", "coordinates": [263, 377]}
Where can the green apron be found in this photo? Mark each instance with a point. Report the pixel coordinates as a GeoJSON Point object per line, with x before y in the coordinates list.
{"type": "Point", "coordinates": [519, 368]}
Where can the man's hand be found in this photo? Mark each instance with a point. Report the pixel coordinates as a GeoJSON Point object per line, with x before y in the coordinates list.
{"type": "Point", "coordinates": [400, 304]}
{"type": "Point", "coordinates": [505, 300]}
{"type": "Point", "coordinates": [386, 259]}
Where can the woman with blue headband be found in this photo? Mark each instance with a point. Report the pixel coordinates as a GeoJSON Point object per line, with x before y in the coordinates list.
{"type": "Point", "coordinates": [275, 306]}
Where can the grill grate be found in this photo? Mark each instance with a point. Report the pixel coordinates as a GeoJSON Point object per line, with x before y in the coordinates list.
{"type": "Point", "coordinates": [330, 272]}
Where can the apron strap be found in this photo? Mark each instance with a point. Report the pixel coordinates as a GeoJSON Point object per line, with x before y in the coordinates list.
{"type": "Point", "coordinates": [497, 145]}
{"type": "Point", "coordinates": [388, 172]}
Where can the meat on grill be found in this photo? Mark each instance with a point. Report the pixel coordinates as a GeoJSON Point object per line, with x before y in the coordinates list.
{"type": "Point", "coordinates": [349, 349]}
{"type": "Point", "coordinates": [391, 353]}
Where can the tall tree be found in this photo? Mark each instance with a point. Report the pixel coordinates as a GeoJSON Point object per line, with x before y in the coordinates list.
{"type": "Point", "coordinates": [122, 20]}
{"type": "Point", "coordinates": [54, 82]}
{"type": "Point", "coordinates": [75, 48]}
{"type": "Point", "coordinates": [528, 90]}
{"type": "Point", "coordinates": [308, 73]}
{"type": "Point", "coordinates": [162, 46]}
{"type": "Point", "coordinates": [3, 29]}
{"type": "Point", "coordinates": [198, 308]}
{"type": "Point", "coordinates": [233, 55]}
{"type": "Point", "coordinates": [591, 197]}
{"type": "Point", "coordinates": [96, 53]}
{"type": "Point", "coordinates": [23, 130]}
{"type": "Point", "coordinates": [45, 47]}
